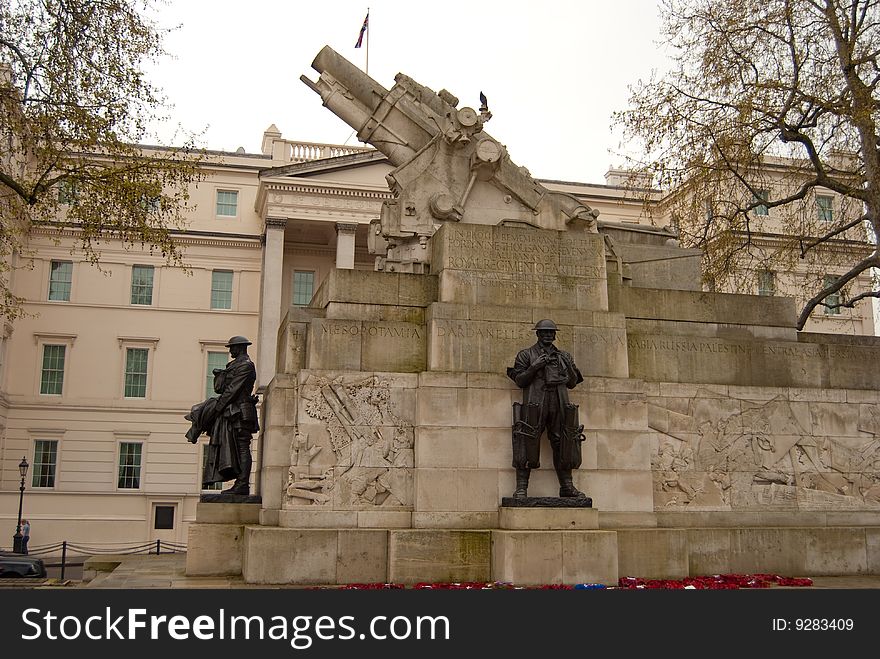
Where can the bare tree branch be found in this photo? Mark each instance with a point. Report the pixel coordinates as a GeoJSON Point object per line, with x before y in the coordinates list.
{"type": "Point", "coordinates": [768, 105]}
{"type": "Point", "coordinates": [807, 246]}
{"type": "Point", "coordinates": [866, 264]}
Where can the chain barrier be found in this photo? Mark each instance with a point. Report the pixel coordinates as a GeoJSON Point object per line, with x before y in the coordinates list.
{"type": "Point", "coordinates": [75, 554]}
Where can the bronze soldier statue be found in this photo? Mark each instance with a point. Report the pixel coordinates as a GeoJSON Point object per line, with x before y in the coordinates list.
{"type": "Point", "coordinates": [230, 420]}
{"type": "Point", "coordinates": [545, 375]}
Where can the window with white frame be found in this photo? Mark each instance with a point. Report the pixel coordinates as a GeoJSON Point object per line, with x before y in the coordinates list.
{"type": "Point", "coordinates": [60, 279]}
{"type": "Point", "coordinates": [761, 209]}
{"type": "Point", "coordinates": [142, 284]}
{"type": "Point", "coordinates": [221, 289]}
{"type": "Point", "coordinates": [66, 192]}
{"type": "Point", "coordinates": [227, 203]}
{"type": "Point", "coordinates": [130, 455]}
{"type": "Point", "coordinates": [52, 371]}
{"type": "Point", "coordinates": [833, 299]}
{"type": "Point", "coordinates": [825, 208]}
{"type": "Point", "coordinates": [303, 287]}
{"type": "Point", "coordinates": [136, 371]}
{"type": "Point", "coordinates": [45, 462]}
{"type": "Point", "coordinates": [766, 282]}
{"type": "Point", "coordinates": [215, 360]}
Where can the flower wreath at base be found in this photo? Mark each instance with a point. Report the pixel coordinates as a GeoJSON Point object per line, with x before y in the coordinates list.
{"type": "Point", "coordinates": [711, 582]}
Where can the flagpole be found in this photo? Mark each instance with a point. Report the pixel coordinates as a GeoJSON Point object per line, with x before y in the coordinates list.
{"type": "Point", "coordinates": [367, 69]}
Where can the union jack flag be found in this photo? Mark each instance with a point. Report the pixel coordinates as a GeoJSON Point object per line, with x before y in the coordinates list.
{"type": "Point", "coordinates": [363, 31]}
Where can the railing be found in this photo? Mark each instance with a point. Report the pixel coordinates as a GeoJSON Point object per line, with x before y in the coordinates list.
{"type": "Point", "coordinates": [74, 554]}
{"type": "Point", "coordinates": [308, 151]}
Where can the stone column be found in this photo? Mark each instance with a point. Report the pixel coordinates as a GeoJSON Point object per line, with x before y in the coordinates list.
{"type": "Point", "coordinates": [345, 245]}
{"type": "Point", "coordinates": [270, 298]}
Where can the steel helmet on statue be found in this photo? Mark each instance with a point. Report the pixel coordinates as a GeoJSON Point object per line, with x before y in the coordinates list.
{"type": "Point", "coordinates": [238, 341]}
{"type": "Point", "coordinates": [545, 324]}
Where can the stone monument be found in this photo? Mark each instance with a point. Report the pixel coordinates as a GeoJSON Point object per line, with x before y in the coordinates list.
{"type": "Point", "coordinates": [718, 438]}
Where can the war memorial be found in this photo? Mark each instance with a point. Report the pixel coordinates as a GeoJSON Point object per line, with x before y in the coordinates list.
{"type": "Point", "coordinates": [716, 437]}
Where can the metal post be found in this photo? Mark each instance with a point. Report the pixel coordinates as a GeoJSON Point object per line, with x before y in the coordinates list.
{"type": "Point", "coordinates": [17, 538]}
{"type": "Point", "coordinates": [63, 557]}
{"type": "Point", "coordinates": [158, 546]}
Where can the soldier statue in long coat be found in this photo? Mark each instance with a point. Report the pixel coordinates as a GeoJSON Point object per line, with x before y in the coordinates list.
{"type": "Point", "coordinates": [230, 420]}
{"type": "Point", "coordinates": [545, 375]}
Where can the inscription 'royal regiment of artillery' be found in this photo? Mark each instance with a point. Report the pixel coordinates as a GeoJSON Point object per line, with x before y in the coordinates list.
{"type": "Point", "coordinates": [524, 267]}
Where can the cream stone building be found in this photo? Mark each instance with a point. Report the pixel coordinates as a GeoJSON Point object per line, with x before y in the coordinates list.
{"type": "Point", "coordinates": [96, 378]}
{"type": "Point", "coordinates": [768, 259]}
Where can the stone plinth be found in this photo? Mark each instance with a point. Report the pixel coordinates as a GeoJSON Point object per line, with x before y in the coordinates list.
{"type": "Point", "coordinates": [215, 542]}
{"type": "Point", "coordinates": [703, 307]}
{"type": "Point", "coordinates": [654, 553]}
{"type": "Point", "coordinates": [439, 556]}
{"type": "Point", "coordinates": [227, 513]}
{"type": "Point", "coordinates": [499, 265]}
{"type": "Point", "coordinates": [214, 549]}
{"type": "Point", "coordinates": [554, 557]}
{"type": "Point", "coordinates": [547, 502]}
{"type": "Point", "coordinates": [344, 519]}
{"type": "Point", "coordinates": [540, 518]}
{"type": "Point", "coordinates": [314, 556]}
{"type": "Point", "coordinates": [801, 551]}
{"type": "Point", "coordinates": [340, 556]}
{"type": "Point", "coordinates": [375, 288]}
{"type": "Point", "coordinates": [225, 498]}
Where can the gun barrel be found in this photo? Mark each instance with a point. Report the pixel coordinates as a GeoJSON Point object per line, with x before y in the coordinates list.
{"type": "Point", "coordinates": [362, 87]}
{"type": "Point", "coordinates": [368, 107]}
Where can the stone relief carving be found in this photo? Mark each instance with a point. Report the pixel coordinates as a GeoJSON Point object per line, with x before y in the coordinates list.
{"type": "Point", "coordinates": [765, 454]}
{"type": "Point", "coordinates": [301, 483]}
{"type": "Point", "coordinates": [371, 446]}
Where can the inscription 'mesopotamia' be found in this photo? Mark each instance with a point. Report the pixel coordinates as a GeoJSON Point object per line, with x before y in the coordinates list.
{"type": "Point", "coordinates": [392, 331]}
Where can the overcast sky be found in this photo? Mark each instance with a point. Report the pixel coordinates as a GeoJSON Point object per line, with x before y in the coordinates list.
{"type": "Point", "coordinates": [553, 71]}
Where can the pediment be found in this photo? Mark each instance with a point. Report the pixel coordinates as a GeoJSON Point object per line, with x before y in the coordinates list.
{"type": "Point", "coordinates": [359, 169]}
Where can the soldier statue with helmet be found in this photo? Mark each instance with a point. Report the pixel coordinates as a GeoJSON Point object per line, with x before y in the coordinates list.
{"type": "Point", "coordinates": [229, 419]}
{"type": "Point", "coordinates": [545, 375]}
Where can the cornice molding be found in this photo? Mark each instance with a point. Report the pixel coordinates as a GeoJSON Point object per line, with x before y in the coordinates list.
{"type": "Point", "coordinates": [54, 336]}
{"type": "Point", "coordinates": [152, 341]}
{"type": "Point", "coordinates": [328, 190]}
{"type": "Point", "coordinates": [213, 240]}
{"type": "Point", "coordinates": [293, 248]}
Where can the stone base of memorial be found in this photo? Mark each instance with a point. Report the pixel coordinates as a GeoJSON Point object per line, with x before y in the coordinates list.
{"type": "Point", "coordinates": [547, 513]}
{"type": "Point", "coordinates": [215, 540]}
{"type": "Point", "coordinates": [220, 497]}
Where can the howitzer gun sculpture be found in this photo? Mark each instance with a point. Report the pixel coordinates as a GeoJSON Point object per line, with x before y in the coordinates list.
{"type": "Point", "coordinates": [447, 168]}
